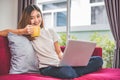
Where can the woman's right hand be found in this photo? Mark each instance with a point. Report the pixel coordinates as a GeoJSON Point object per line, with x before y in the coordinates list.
{"type": "Point", "coordinates": [28, 30]}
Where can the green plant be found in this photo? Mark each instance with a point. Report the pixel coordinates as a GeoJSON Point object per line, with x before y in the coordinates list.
{"type": "Point", "coordinates": [64, 39]}
{"type": "Point", "coordinates": [107, 46]}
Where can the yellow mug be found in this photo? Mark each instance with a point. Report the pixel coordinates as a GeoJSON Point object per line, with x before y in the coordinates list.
{"type": "Point", "coordinates": [36, 31]}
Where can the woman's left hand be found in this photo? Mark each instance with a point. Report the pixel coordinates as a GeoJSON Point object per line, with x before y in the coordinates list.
{"type": "Point", "coordinates": [60, 55]}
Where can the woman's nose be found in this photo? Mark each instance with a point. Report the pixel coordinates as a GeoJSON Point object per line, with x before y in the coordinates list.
{"type": "Point", "coordinates": [36, 20]}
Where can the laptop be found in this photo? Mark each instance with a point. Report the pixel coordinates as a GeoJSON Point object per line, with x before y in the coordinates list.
{"type": "Point", "coordinates": [77, 53]}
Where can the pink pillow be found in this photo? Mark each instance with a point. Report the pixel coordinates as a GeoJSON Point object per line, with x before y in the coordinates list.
{"type": "Point", "coordinates": [4, 56]}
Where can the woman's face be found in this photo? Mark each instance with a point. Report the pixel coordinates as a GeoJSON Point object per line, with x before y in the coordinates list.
{"type": "Point", "coordinates": [35, 18]}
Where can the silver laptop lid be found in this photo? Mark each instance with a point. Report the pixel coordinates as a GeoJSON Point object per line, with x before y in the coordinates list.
{"type": "Point", "coordinates": [77, 53]}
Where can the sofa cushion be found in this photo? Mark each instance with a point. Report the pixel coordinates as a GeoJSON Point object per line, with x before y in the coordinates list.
{"type": "Point", "coordinates": [30, 76]}
{"type": "Point", "coordinates": [4, 56]}
{"type": "Point", "coordinates": [102, 74]}
{"type": "Point", "coordinates": [23, 59]}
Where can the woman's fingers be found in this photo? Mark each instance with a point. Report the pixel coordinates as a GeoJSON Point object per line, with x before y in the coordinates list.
{"type": "Point", "coordinates": [29, 29]}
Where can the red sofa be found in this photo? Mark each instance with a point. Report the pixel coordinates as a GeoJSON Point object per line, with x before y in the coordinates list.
{"type": "Point", "coordinates": [102, 74]}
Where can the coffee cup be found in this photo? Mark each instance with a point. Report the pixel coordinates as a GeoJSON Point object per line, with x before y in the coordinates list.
{"type": "Point", "coordinates": [36, 31]}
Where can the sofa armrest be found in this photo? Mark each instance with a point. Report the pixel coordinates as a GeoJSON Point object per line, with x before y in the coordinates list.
{"type": "Point", "coordinates": [97, 51]}
{"type": "Point", "coordinates": [4, 56]}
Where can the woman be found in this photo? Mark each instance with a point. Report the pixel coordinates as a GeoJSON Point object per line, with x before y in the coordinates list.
{"type": "Point", "coordinates": [47, 47]}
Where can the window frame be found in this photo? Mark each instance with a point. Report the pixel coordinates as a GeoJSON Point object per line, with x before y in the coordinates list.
{"type": "Point", "coordinates": [75, 28]}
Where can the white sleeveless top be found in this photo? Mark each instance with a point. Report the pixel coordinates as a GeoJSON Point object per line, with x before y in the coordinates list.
{"type": "Point", "coordinates": [44, 48]}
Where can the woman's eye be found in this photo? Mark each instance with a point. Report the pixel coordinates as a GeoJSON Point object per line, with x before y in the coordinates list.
{"type": "Point", "coordinates": [38, 16]}
{"type": "Point", "coordinates": [31, 18]}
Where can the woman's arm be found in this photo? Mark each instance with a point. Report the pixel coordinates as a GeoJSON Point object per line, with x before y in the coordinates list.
{"type": "Point", "coordinates": [16, 31]}
{"type": "Point", "coordinates": [58, 50]}
{"type": "Point", "coordinates": [28, 30]}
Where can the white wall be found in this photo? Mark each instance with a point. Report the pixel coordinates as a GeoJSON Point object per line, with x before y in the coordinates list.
{"type": "Point", "coordinates": [8, 14]}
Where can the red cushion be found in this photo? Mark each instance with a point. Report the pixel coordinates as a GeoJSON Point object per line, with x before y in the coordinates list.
{"type": "Point", "coordinates": [26, 77]}
{"type": "Point", "coordinates": [102, 74]}
{"type": "Point", "coordinates": [97, 51]}
{"type": "Point", "coordinates": [4, 56]}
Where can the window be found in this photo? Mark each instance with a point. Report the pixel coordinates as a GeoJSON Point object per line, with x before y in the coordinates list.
{"type": "Point", "coordinates": [98, 15]}
{"type": "Point", "coordinates": [56, 10]}
{"type": "Point", "coordinates": [88, 15]}
{"type": "Point", "coordinates": [54, 5]}
{"type": "Point", "coordinates": [60, 19]}
{"type": "Point", "coordinates": [93, 1]}
{"type": "Point", "coordinates": [85, 15]}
